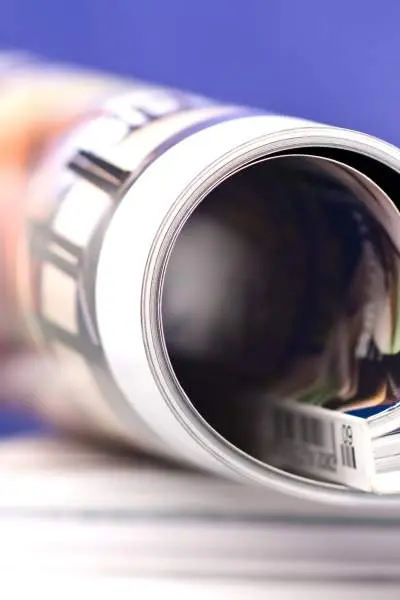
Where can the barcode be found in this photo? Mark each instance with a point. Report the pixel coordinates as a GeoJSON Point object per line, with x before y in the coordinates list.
{"type": "Point", "coordinates": [348, 456]}
{"type": "Point", "coordinates": [322, 443]}
{"type": "Point", "coordinates": [299, 427]}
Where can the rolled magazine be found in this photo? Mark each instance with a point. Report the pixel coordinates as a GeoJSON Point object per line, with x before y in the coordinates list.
{"type": "Point", "coordinates": [173, 269]}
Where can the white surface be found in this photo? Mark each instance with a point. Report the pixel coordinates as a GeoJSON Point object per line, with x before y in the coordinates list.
{"type": "Point", "coordinates": [66, 510]}
{"type": "Point", "coordinates": [168, 588]}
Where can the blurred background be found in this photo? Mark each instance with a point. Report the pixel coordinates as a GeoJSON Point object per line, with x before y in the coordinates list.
{"type": "Point", "coordinates": [335, 62]}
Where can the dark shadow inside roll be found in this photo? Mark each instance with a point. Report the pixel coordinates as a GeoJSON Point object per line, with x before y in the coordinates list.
{"type": "Point", "coordinates": [257, 281]}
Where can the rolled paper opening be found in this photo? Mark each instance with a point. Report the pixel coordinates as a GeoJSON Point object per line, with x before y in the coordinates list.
{"type": "Point", "coordinates": [276, 288]}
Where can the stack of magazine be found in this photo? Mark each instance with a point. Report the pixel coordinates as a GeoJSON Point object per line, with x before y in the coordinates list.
{"type": "Point", "coordinates": [68, 509]}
